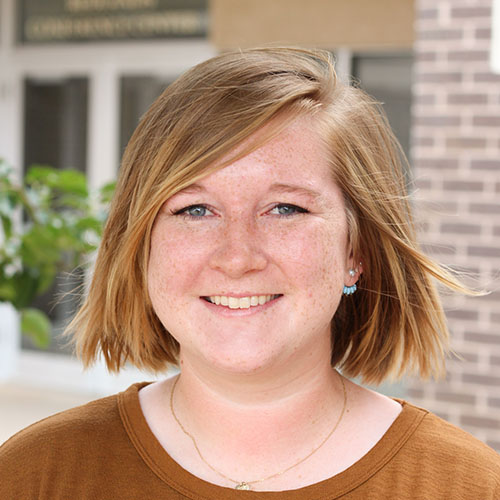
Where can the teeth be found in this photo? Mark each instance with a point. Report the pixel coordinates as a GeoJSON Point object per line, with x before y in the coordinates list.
{"type": "Point", "coordinates": [242, 302]}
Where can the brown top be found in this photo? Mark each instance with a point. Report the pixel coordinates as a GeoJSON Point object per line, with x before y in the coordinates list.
{"type": "Point", "coordinates": [105, 450]}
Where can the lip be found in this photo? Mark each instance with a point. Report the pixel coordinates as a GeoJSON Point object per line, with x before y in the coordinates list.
{"type": "Point", "coordinates": [239, 295]}
{"type": "Point", "coordinates": [226, 311]}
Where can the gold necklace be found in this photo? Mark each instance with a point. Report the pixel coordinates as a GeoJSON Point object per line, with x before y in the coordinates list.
{"type": "Point", "coordinates": [245, 485]}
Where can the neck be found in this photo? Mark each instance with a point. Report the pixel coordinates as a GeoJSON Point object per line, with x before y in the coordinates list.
{"type": "Point", "coordinates": [263, 424]}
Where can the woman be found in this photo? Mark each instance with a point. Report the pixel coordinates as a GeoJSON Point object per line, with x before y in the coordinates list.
{"type": "Point", "coordinates": [260, 238]}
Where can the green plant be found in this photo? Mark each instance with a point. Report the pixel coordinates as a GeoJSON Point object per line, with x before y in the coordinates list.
{"type": "Point", "coordinates": [50, 223]}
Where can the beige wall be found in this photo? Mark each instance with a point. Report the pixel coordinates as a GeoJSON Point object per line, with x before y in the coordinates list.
{"type": "Point", "coordinates": [357, 24]}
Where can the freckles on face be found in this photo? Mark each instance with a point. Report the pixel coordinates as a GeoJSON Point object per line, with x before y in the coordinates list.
{"type": "Point", "coordinates": [271, 223]}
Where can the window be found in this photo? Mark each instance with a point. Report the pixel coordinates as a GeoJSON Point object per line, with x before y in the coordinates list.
{"type": "Point", "coordinates": [55, 134]}
{"type": "Point", "coordinates": [388, 79]}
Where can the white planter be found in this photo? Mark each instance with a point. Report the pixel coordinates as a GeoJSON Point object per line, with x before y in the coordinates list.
{"type": "Point", "coordinates": [10, 341]}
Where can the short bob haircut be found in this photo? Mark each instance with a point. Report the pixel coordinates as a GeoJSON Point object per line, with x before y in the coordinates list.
{"type": "Point", "coordinates": [394, 324]}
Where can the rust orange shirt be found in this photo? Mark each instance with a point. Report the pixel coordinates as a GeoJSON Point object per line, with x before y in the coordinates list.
{"type": "Point", "coordinates": [105, 450]}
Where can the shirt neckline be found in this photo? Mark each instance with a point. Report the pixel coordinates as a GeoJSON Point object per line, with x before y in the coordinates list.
{"type": "Point", "coordinates": [170, 472]}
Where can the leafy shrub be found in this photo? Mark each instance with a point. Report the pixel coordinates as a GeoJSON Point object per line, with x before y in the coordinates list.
{"type": "Point", "coordinates": [51, 223]}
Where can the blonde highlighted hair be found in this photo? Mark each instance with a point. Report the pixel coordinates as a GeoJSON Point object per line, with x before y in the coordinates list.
{"type": "Point", "coordinates": [394, 324]}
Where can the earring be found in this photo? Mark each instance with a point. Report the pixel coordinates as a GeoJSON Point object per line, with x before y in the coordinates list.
{"type": "Point", "coordinates": [349, 290]}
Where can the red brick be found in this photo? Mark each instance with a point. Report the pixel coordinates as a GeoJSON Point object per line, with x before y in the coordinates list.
{"type": "Point", "coordinates": [483, 251]}
{"type": "Point", "coordinates": [495, 360]}
{"type": "Point", "coordinates": [424, 99]}
{"type": "Point", "coordinates": [460, 228]}
{"type": "Point", "coordinates": [482, 338]}
{"type": "Point", "coordinates": [439, 77]}
{"type": "Point", "coordinates": [423, 141]}
{"type": "Point", "coordinates": [495, 317]}
{"type": "Point", "coordinates": [485, 164]}
{"type": "Point", "coordinates": [487, 380]}
{"type": "Point", "coordinates": [468, 55]}
{"type": "Point", "coordinates": [463, 186]}
{"type": "Point", "coordinates": [467, 99]}
{"type": "Point", "coordinates": [443, 415]}
{"type": "Point", "coordinates": [437, 121]}
{"type": "Point", "coordinates": [440, 34]}
{"type": "Point", "coordinates": [436, 163]}
{"type": "Point", "coordinates": [483, 33]}
{"type": "Point", "coordinates": [486, 77]}
{"type": "Point", "coordinates": [486, 121]}
{"type": "Point", "coordinates": [485, 208]}
{"type": "Point", "coordinates": [496, 231]}
{"type": "Point", "coordinates": [427, 13]}
{"type": "Point", "coordinates": [462, 314]}
{"type": "Point", "coordinates": [466, 142]}
{"type": "Point", "coordinates": [467, 357]}
{"type": "Point", "coordinates": [415, 393]}
{"type": "Point", "coordinates": [456, 397]}
{"type": "Point", "coordinates": [470, 12]}
{"type": "Point", "coordinates": [494, 295]}
{"type": "Point", "coordinates": [494, 402]}
{"type": "Point", "coordinates": [481, 422]}
{"type": "Point", "coordinates": [493, 444]}
{"type": "Point", "coordinates": [425, 56]}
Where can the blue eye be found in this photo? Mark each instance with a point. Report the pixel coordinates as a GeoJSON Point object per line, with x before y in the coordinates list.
{"type": "Point", "coordinates": [285, 209]}
{"type": "Point", "coordinates": [194, 211]}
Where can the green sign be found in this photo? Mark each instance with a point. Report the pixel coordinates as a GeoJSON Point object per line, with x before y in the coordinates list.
{"type": "Point", "coordinates": [51, 21]}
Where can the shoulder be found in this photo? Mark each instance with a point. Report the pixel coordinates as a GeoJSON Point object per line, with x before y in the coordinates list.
{"type": "Point", "coordinates": [59, 447]}
{"type": "Point", "coordinates": [70, 425]}
{"type": "Point", "coordinates": [438, 450]}
{"type": "Point", "coordinates": [449, 440]}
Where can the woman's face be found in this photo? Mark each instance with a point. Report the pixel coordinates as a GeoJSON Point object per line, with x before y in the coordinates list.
{"type": "Point", "coordinates": [247, 266]}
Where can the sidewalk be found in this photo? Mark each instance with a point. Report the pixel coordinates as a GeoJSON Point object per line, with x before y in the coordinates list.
{"type": "Point", "coordinates": [21, 406]}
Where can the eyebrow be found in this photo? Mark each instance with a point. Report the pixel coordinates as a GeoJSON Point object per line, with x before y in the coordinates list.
{"type": "Point", "coordinates": [192, 188]}
{"type": "Point", "coordinates": [277, 187]}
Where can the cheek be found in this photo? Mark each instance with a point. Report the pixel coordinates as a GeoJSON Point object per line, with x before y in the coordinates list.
{"type": "Point", "coordinates": [317, 256]}
{"type": "Point", "coordinates": [173, 261]}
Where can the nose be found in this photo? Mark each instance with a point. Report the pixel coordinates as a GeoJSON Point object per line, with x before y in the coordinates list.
{"type": "Point", "coordinates": [239, 249]}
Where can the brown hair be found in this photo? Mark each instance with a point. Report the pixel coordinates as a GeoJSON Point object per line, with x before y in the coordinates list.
{"type": "Point", "coordinates": [392, 325]}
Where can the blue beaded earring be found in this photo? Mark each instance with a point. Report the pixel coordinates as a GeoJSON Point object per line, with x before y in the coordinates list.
{"type": "Point", "coordinates": [349, 290]}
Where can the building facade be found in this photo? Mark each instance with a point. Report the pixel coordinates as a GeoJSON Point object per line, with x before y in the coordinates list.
{"type": "Point", "coordinates": [456, 162]}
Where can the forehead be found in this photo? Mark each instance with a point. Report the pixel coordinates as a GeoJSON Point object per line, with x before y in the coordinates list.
{"type": "Point", "coordinates": [297, 155]}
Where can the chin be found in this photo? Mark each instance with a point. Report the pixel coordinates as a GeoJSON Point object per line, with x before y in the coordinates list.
{"type": "Point", "coordinates": [241, 361]}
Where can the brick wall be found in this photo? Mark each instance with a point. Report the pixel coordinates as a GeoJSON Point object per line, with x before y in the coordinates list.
{"type": "Point", "coordinates": [456, 158]}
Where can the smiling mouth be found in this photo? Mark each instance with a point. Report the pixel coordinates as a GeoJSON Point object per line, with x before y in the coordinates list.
{"type": "Point", "coordinates": [240, 302]}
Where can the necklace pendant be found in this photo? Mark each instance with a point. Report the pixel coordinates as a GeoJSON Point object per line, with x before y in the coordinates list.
{"type": "Point", "coordinates": [242, 486]}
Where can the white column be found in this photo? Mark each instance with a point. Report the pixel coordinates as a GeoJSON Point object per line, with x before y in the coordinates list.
{"type": "Point", "coordinates": [10, 341]}
{"type": "Point", "coordinates": [495, 37]}
{"type": "Point", "coordinates": [103, 140]}
{"type": "Point", "coordinates": [343, 63]}
{"type": "Point", "coordinates": [10, 90]}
